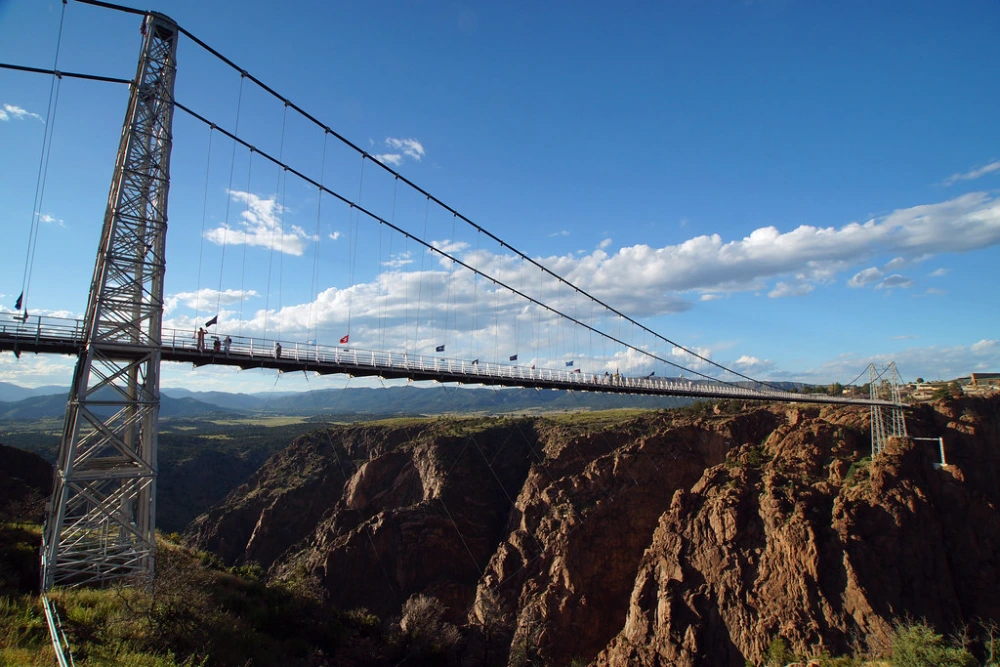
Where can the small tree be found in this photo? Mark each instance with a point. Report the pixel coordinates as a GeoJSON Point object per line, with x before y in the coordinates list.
{"type": "Point", "coordinates": [427, 634]}
{"type": "Point", "coordinates": [917, 645]}
{"type": "Point", "coordinates": [778, 653]}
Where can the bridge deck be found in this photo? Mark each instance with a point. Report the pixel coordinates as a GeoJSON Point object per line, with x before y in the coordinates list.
{"type": "Point", "coordinates": [65, 336]}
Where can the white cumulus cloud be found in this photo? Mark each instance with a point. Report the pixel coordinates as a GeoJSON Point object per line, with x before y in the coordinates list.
{"type": "Point", "coordinates": [399, 149]}
{"type": "Point", "coordinates": [260, 225]}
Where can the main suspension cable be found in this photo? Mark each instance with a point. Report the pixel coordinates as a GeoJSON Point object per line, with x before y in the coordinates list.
{"type": "Point", "coordinates": [429, 246]}
{"type": "Point", "coordinates": [305, 114]}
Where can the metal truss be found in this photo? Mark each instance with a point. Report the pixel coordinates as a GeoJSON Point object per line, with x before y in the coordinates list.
{"type": "Point", "coordinates": [886, 422]}
{"type": "Point", "coordinates": [101, 517]}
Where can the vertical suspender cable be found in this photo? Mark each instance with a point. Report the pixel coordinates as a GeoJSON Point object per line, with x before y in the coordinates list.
{"type": "Point", "coordinates": [280, 214]}
{"type": "Point", "coordinates": [204, 215]}
{"type": "Point", "coordinates": [43, 169]}
{"type": "Point", "coordinates": [281, 255]}
{"type": "Point", "coordinates": [420, 282]}
{"type": "Point", "coordinates": [383, 270]}
{"type": "Point", "coordinates": [314, 287]}
{"type": "Point", "coordinates": [354, 223]}
{"type": "Point", "coordinates": [246, 218]}
{"type": "Point", "coordinates": [229, 195]}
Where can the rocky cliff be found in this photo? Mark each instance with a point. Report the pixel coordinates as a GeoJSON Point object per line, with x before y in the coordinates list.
{"type": "Point", "coordinates": [652, 538]}
{"type": "Point", "coordinates": [795, 539]}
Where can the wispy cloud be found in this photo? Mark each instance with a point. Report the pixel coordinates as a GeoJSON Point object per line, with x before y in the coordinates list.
{"type": "Point", "coordinates": [261, 225]}
{"type": "Point", "coordinates": [783, 289]}
{"type": "Point", "coordinates": [895, 281]}
{"type": "Point", "coordinates": [51, 220]}
{"type": "Point", "coordinates": [973, 174]}
{"type": "Point", "coordinates": [206, 298]}
{"type": "Point", "coordinates": [561, 232]}
{"type": "Point", "coordinates": [12, 112]}
{"type": "Point", "coordinates": [865, 277]}
{"type": "Point", "coordinates": [929, 362]}
{"type": "Point", "coordinates": [399, 149]}
{"type": "Point", "coordinates": [334, 236]}
{"type": "Point", "coordinates": [399, 260]}
{"type": "Point", "coordinates": [939, 273]}
{"type": "Point", "coordinates": [449, 246]}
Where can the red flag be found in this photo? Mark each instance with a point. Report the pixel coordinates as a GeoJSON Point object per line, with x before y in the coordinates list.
{"type": "Point", "coordinates": [344, 339]}
{"type": "Point", "coordinates": [577, 370]}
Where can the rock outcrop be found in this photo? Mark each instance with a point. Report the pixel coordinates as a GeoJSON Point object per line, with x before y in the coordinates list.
{"type": "Point", "coordinates": [793, 540]}
{"type": "Point", "coordinates": [659, 538]}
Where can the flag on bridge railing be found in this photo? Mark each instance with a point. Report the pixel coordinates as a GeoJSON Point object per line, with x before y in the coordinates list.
{"type": "Point", "coordinates": [577, 370]}
{"type": "Point", "coordinates": [214, 320]}
{"type": "Point", "coordinates": [569, 363]}
{"type": "Point", "coordinates": [475, 362]}
{"type": "Point", "coordinates": [344, 339]}
{"type": "Point", "coordinates": [513, 357]}
{"type": "Point", "coordinates": [439, 348]}
{"type": "Point", "coordinates": [17, 304]}
{"type": "Point", "coordinates": [651, 374]}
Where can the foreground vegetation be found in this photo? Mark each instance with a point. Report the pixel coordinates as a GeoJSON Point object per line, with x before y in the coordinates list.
{"type": "Point", "coordinates": [912, 644]}
{"type": "Point", "coordinates": [196, 612]}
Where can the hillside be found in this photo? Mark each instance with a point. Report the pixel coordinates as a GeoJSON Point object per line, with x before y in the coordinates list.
{"type": "Point", "coordinates": [641, 538]}
{"type": "Point", "coordinates": [753, 535]}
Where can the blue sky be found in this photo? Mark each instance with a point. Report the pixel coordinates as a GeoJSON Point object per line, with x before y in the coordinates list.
{"type": "Point", "coordinates": [792, 188]}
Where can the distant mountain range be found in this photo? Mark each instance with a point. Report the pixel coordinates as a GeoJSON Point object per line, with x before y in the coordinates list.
{"type": "Point", "coordinates": [50, 402]}
{"type": "Point", "coordinates": [11, 392]}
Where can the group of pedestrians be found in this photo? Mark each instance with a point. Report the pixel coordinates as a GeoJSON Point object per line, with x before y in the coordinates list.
{"type": "Point", "coordinates": [218, 345]}
{"type": "Point", "coordinates": [226, 344]}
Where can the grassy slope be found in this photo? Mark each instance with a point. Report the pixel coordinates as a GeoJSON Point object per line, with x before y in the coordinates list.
{"type": "Point", "coordinates": [195, 613]}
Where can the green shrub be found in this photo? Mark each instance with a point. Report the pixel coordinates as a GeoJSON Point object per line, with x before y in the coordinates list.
{"type": "Point", "coordinates": [856, 469]}
{"type": "Point", "coordinates": [778, 653]}
{"type": "Point", "coordinates": [917, 645]}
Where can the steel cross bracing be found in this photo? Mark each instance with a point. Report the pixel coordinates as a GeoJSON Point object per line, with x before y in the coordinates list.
{"type": "Point", "coordinates": [100, 522]}
{"type": "Point", "coordinates": [887, 419]}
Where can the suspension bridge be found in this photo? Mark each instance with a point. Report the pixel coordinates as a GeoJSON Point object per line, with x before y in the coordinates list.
{"type": "Point", "coordinates": [101, 518]}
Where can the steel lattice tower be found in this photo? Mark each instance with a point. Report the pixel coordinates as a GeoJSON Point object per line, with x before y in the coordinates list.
{"type": "Point", "coordinates": [101, 517]}
{"type": "Point", "coordinates": [886, 422]}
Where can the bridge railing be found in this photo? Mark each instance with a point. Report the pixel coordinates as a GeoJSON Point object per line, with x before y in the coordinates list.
{"type": "Point", "coordinates": [246, 350]}
{"type": "Point", "coordinates": [252, 348]}
{"type": "Point", "coordinates": [41, 328]}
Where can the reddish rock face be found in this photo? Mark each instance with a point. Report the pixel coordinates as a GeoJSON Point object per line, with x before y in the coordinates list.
{"type": "Point", "coordinates": [784, 542]}
{"type": "Point", "coordinates": [584, 517]}
{"type": "Point", "coordinates": [651, 539]}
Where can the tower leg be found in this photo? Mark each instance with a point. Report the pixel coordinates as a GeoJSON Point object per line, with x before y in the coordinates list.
{"type": "Point", "coordinates": [101, 518]}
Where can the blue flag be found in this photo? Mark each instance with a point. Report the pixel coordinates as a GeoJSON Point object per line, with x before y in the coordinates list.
{"type": "Point", "coordinates": [439, 348]}
{"type": "Point", "coordinates": [569, 363]}
{"type": "Point", "coordinates": [513, 357]}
